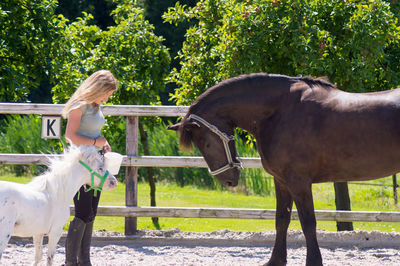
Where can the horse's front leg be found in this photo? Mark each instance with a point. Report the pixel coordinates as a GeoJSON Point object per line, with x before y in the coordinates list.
{"type": "Point", "coordinates": [284, 205]}
{"type": "Point", "coordinates": [301, 190]}
{"type": "Point", "coordinates": [38, 244]}
{"type": "Point", "coordinates": [54, 237]}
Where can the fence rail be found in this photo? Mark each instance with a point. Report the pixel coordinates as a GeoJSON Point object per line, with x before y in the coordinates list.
{"type": "Point", "coordinates": [132, 160]}
{"type": "Point", "coordinates": [237, 213]}
{"type": "Point", "coordinates": [114, 110]}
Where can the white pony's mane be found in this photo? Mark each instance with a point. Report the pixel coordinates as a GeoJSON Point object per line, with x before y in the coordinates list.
{"type": "Point", "coordinates": [60, 169]}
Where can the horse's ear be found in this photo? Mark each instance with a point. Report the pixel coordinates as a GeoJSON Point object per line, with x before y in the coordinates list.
{"type": "Point", "coordinates": [190, 125]}
{"type": "Point", "coordinates": [174, 127]}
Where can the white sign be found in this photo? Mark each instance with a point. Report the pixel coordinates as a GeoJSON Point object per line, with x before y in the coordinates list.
{"type": "Point", "coordinates": [51, 127]}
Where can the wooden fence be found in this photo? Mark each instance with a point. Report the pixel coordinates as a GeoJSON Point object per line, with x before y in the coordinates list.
{"type": "Point", "coordinates": [132, 161]}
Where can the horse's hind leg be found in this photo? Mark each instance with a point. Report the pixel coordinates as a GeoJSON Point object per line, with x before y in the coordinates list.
{"type": "Point", "coordinates": [301, 190]}
{"type": "Point", "coordinates": [284, 205]}
{"type": "Point", "coordinates": [4, 238]}
{"type": "Point", "coordinates": [6, 228]}
{"type": "Point", "coordinates": [38, 244]}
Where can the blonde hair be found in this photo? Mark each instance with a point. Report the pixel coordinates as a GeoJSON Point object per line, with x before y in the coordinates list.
{"type": "Point", "coordinates": [99, 83]}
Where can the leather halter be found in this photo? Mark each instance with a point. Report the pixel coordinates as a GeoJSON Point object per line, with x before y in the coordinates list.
{"type": "Point", "coordinates": [225, 140]}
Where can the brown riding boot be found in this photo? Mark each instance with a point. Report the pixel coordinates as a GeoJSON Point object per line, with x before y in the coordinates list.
{"type": "Point", "coordinates": [84, 252]}
{"type": "Point", "coordinates": [73, 241]}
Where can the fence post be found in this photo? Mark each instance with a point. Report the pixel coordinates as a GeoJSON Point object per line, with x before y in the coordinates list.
{"type": "Point", "coordinates": [132, 123]}
{"type": "Point", "coordinates": [395, 189]}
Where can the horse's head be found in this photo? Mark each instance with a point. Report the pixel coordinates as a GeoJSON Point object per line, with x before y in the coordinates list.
{"type": "Point", "coordinates": [96, 175]}
{"type": "Point", "coordinates": [217, 145]}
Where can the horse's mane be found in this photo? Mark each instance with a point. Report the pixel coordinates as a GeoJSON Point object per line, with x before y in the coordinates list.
{"type": "Point", "coordinates": [185, 140]}
{"type": "Point", "coordinates": [249, 79]}
{"type": "Point", "coordinates": [322, 82]}
{"type": "Point", "coordinates": [55, 178]}
{"type": "Point", "coordinates": [232, 83]}
{"type": "Point", "coordinates": [57, 170]}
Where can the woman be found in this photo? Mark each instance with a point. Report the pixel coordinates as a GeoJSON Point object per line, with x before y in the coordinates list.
{"type": "Point", "coordinates": [85, 121]}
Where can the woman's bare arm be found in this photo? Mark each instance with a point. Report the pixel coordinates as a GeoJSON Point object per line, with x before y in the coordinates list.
{"type": "Point", "coordinates": [74, 120]}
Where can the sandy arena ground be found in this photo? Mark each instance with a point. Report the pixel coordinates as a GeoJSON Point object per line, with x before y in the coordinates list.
{"type": "Point", "coordinates": [173, 247]}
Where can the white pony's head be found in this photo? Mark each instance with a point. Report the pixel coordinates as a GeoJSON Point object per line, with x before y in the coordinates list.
{"type": "Point", "coordinates": [93, 162]}
{"type": "Point", "coordinates": [88, 162]}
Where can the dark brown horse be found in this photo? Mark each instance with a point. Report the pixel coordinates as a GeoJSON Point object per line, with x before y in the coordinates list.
{"type": "Point", "coordinates": [307, 131]}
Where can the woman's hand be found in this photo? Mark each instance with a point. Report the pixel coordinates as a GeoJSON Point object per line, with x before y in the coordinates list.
{"type": "Point", "coordinates": [102, 142]}
{"type": "Point", "coordinates": [107, 147]}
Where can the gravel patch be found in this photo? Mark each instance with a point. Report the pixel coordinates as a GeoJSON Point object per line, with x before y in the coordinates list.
{"type": "Point", "coordinates": [174, 247]}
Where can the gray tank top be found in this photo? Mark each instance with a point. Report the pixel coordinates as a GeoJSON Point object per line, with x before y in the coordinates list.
{"type": "Point", "coordinates": [92, 121]}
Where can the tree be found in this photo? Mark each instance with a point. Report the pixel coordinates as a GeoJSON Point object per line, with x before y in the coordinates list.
{"type": "Point", "coordinates": [353, 43]}
{"type": "Point", "coordinates": [100, 9]}
{"type": "Point", "coordinates": [27, 31]}
{"type": "Point", "coordinates": [173, 34]}
{"type": "Point", "coordinates": [130, 50]}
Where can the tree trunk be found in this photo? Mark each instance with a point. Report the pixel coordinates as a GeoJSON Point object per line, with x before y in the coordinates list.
{"type": "Point", "coordinates": [342, 201]}
{"type": "Point", "coordinates": [149, 170]}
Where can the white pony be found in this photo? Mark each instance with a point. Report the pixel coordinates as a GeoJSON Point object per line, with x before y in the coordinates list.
{"type": "Point", "coordinates": [42, 206]}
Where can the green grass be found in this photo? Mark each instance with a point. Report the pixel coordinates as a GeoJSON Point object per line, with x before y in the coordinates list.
{"type": "Point", "coordinates": [363, 198]}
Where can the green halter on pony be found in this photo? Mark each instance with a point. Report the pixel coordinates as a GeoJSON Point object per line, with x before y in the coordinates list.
{"type": "Point", "coordinates": [92, 174]}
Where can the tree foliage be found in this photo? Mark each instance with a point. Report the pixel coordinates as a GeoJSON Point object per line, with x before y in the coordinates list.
{"type": "Point", "coordinates": [27, 31]}
{"type": "Point", "coordinates": [36, 45]}
{"type": "Point", "coordinates": [100, 10]}
{"type": "Point", "coordinates": [354, 43]}
{"type": "Point", "coordinates": [174, 35]}
{"type": "Point", "coordinates": [130, 50]}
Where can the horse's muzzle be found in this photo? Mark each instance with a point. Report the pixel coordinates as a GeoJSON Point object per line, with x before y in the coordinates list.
{"type": "Point", "coordinates": [111, 183]}
{"type": "Point", "coordinates": [231, 183]}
